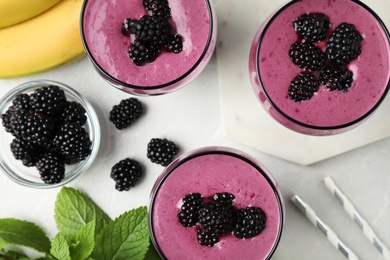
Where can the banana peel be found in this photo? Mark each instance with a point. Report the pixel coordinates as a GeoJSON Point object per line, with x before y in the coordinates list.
{"type": "Point", "coordinates": [43, 42]}
{"type": "Point", "coordinates": [16, 11]}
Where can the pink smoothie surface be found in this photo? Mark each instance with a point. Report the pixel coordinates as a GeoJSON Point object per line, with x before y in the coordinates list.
{"type": "Point", "coordinates": [209, 174]}
{"type": "Point", "coordinates": [102, 25]}
{"type": "Point", "coordinates": [326, 108]}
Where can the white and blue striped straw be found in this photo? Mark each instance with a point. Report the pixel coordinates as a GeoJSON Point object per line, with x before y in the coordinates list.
{"type": "Point", "coordinates": [350, 209]}
{"type": "Point", "coordinates": [328, 232]}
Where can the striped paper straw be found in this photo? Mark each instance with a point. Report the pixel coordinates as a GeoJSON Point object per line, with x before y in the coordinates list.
{"type": "Point", "coordinates": [329, 233]}
{"type": "Point", "coordinates": [354, 214]}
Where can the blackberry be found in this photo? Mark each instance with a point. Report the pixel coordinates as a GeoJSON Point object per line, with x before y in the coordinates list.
{"type": "Point", "coordinates": [51, 168]}
{"type": "Point", "coordinates": [344, 44]}
{"type": "Point", "coordinates": [161, 151]}
{"type": "Point", "coordinates": [218, 217]}
{"type": "Point", "coordinates": [312, 27]}
{"type": "Point", "coordinates": [33, 126]}
{"type": "Point", "coordinates": [126, 173]}
{"type": "Point", "coordinates": [188, 215]}
{"type": "Point", "coordinates": [154, 30]}
{"type": "Point", "coordinates": [157, 7]}
{"type": "Point", "coordinates": [336, 78]}
{"type": "Point", "coordinates": [74, 112]}
{"type": "Point", "coordinates": [250, 222]}
{"type": "Point", "coordinates": [21, 101]}
{"type": "Point", "coordinates": [141, 53]}
{"type": "Point", "coordinates": [224, 198]}
{"type": "Point", "coordinates": [25, 151]}
{"type": "Point", "coordinates": [174, 44]}
{"type": "Point", "coordinates": [73, 143]}
{"type": "Point", "coordinates": [307, 56]}
{"type": "Point", "coordinates": [6, 121]}
{"type": "Point", "coordinates": [126, 112]}
{"type": "Point", "coordinates": [49, 99]}
{"type": "Point", "coordinates": [128, 26]}
{"type": "Point", "coordinates": [207, 236]}
{"type": "Point", "coordinates": [303, 87]}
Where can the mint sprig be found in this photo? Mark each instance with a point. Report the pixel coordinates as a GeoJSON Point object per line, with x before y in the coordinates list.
{"type": "Point", "coordinates": [126, 237]}
{"type": "Point", "coordinates": [85, 232]}
{"type": "Point", "coordinates": [24, 233]}
{"type": "Point", "coordinates": [73, 209]}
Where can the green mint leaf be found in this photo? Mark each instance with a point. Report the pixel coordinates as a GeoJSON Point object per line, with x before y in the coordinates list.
{"type": "Point", "coordinates": [85, 242]}
{"type": "Point", "coordinates": [24, 233]}
{"type": "Point", "coordinates": [126, 237]}
{"type": "Point", "coordinates": [60, 247]}
{"type": "Point", "coordinates": [73, 210]}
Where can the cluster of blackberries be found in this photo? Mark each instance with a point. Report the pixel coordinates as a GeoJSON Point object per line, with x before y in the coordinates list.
{"type": "Point", "coordinates": [342, 46]}
{"type": "Point", "coordinates": [127, 172]}
{"type": "Point", "coordinates": [159, 150]}
{"type": "Point", "coordinates": [48, 131]}
{"type": "Point", "coordinates": [217, 216]}
{"type": "Point", "coordinates": [152, 33]}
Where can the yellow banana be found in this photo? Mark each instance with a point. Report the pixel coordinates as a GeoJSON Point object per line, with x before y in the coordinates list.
{"type": "Point", "coordinates": [16, 11]}
{"type": "Point", "coordinates": [43, 42]}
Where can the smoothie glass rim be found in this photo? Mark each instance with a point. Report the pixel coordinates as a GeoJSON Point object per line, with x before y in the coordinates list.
{"type": "Point", "coordinates": [295, 121]}
{"type": "Point", "coordinates": [221, 150]}
{"type": "Point", "coordinates": [116, 81]}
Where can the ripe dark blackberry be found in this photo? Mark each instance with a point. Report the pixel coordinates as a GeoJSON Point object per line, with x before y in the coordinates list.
{"type": "Point", "coordinates": [157, 7]}
{"type": "Point", "coordinates": [128, 26]}
{"type": "Point", "coordinates": [21, 101]}
{"type": "Point", "coordinates": [303, 86]}
{"type": "Point", "coordinates": [307, 56]}
{"type": "Point", "coordinates": [6, 121]}
{"type": "Point", "coordinates": [73, 143]}
{"type": "Point", "coordinates": [25, 151]}
{"type": "Point", "coordinates": [154, 30]}
{"type": "Point", "coordinates": [224, 198]}
{"type": "Point", "coordinates": [174, 44]}
{"type": "Point", "coordinates": [312, 27]}
{"type": "Point", "coordinates": [208, 237]}
{"type": "Point", "coordinates": [51, 168]}
{"type": "Point", "coordinates": [141, 53]}
{"type": "Point", "coordinates": [126, 173]}
{"type": "Point", "coordinates": [336, 78]}
{"type": "Point", "coordinates": [344, 44]}
{"type": "Point", "coordinates": [161, 151]}
{"type": "Point", "coordinates": [250, 222]}
{"type": "Point", "coordinates": [126, 112]}
{"type": "Point", "coordinates": [32, 126]}
{"type": "Point", "coordinates": [218, 217]}
{"type": "Point", "coordinates": [49, 100]}
{"type": "Point", "coordinates": [188, 215]}
{"type": "Point", "coordinates": [74, 112]}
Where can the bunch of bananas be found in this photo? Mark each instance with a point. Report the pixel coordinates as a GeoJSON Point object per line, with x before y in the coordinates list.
{"type": "Point", "coordinates": [37, 35]}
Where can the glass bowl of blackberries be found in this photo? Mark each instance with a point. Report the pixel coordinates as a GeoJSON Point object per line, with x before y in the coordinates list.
{"type": "Point", "coordinates": [49, 134]}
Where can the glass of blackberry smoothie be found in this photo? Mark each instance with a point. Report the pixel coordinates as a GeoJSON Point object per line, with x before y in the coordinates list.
{"type": "Point", "coordinates": [148, 47]}
{"type": "Point", "coordinates": [216, 203]}
{"type": "Point", "coordinates": [321, 67]}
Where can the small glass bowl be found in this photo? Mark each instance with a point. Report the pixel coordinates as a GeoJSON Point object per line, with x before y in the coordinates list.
{"type": "Point", "coordinates": [29, 176]}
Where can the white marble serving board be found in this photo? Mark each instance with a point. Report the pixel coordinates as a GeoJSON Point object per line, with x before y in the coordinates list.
{"type": "Point", "coordinates": [245, 121]}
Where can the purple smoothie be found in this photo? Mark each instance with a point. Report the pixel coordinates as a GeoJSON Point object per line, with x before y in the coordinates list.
{"type": "Point", "coordinates": [209, 171]}
{"type": "Point", "coordinates": [107, 48]}
{"type": "Point", "coordinates": [327, 112]}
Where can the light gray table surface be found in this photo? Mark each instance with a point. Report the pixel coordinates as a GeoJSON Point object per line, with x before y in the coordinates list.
{"type": "Point", "coordinates": [191, 118]}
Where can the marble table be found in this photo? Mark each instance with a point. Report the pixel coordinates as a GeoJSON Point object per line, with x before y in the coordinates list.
{"type": "Point", "coordinates": [192, 118]}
